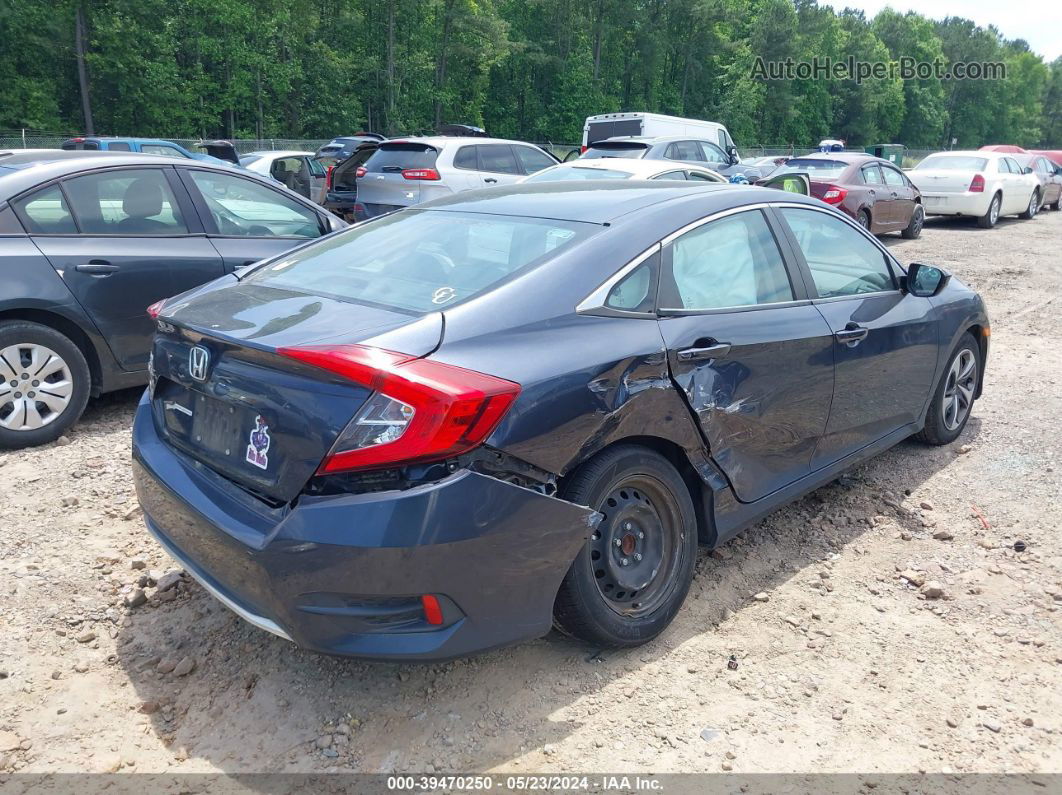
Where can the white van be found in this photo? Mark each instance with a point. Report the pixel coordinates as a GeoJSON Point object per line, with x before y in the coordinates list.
{"type": "Point", "coordinates": [610, 125]}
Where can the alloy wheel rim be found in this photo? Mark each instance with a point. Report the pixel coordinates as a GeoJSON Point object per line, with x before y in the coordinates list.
{"type": "Point", "coordinates": [635, 550]}
{"type": "Point", "coordinates": [994, 210]}
{"type": "Point", "coordinates": [864, 221]}
{"type": "Point", "coordinates": [959, 390]}
{"type": "Point", "coordinates": [920, 217]}
{"type": "Point", "coordinates": [1034, 204]}
{"type": "Point", "coordinates": [36, 386]}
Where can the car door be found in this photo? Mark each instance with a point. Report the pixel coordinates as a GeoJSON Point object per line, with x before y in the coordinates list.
{"type": "Point", "coordinates": [317, 178]}
{"type": "Point", "coordinates": [247, 220]}
{"type": "Point", "coordinates": [885, 340]}
{"type": "Point", "coordinates": [1016, 192]}
{"type": "Point", "coordinates": [902, 195]}
{"type": "Point", "coordinates": [746, 347]}
{"type": "Point", "coordinates": [498, 164]}
{"type": "Point", "coordinates": [882, 206]}
{"type": "Point", "coordinates": [121, 239]}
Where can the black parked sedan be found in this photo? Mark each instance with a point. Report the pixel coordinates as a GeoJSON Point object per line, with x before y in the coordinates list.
{"type": "Point", "coordinates": [88, 240]}
{"type": "Point", "coordinates": [453, 426]}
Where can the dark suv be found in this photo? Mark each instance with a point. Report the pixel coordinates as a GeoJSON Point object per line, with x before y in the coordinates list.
{"type": "Point", "coordinates": [88, 240]}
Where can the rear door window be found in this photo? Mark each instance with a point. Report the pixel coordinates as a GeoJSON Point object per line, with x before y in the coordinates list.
{"type": "Point", "coordinates": [684, 150]}
{"type": "Point", "coordinates": [118, 146]}
{"type": "Point", "coordinates": [532, 160]}
{"type": "Point", "coordinates": [498, 159]}
{"type": "Point", "coordinates": [422, 261]}
{"type": "Point", "coordinates": [731, 262]}
{"type": "Point", "coordinates": [46, 213]}
{"type": "Point", "coordinates": [243, 208]}
{"type": "Point", "coordinates": [133, 202]}
{"type": "Point", "coordinates": [393, 158]}
{"type": "Point", "coordinates": [872, 175]}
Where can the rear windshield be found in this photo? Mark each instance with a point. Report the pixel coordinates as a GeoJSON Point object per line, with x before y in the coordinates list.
{"type": "Point", "coordinates": [421, 261]}
{"type": "Point", "coordinates": [816, 169]}
{"type": "Point", "coordinates": [570, 173]}
{"type": "Point", "coordinates": [398, 157]}
{"type": "Point", "coordinates": [615, 150]}
{"type": "Point", "coordinates": [953, 163]}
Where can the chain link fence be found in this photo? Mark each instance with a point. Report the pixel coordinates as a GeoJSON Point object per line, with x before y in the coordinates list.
{"type": "Point", "coordinates": [32, 139]}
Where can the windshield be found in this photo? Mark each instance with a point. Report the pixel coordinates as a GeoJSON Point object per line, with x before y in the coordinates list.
{"type": "Point", "coordinates": [816, 169]}
{"type": "Point", "coordinates": [422, 261]}
{"type": "Point", "coordinates": [615, 150]}
{"type": "Point", "coordinates": [570, 173]}
{"type": "Point", "coordinates": [953, 163]}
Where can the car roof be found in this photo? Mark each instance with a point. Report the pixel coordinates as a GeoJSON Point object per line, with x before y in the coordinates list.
{"type": "Point", "coordinates": [19, 172]}
{"type": "Point", "coordinates": [440, 141]}
{"type": "Point", "coordinates": [603, 201]}
{"type": "Point", "coordinates": [635, 166]}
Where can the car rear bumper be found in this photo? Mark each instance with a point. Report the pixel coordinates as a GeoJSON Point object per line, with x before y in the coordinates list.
{"type": "Point", "coordinates": [344, 574]}
{"type": "Point", "coordinates": [975, 204]}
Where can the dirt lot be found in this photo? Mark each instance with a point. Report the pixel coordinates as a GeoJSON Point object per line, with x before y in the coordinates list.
{"type": "Point", "coordinates": [842, 664]}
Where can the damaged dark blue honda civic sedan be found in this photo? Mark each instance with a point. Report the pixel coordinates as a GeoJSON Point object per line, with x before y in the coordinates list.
{"type": "Point", "coordinates": [456, 426]}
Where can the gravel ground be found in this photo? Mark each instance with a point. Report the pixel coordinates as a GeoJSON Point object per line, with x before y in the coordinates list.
{"type": "Point", "coordinates": [843, 663]}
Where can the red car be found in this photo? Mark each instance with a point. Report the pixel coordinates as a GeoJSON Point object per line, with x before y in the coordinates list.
{"type": "Point", "coordinates": [871, 190]}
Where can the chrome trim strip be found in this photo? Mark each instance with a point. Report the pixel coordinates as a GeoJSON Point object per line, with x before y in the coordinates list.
{"type": "Point", "coordinates": [596, 299]}
{"type": "Point", "coordinates": [714, 217]}
{"type": "Point", "coordinates": [251, 618]}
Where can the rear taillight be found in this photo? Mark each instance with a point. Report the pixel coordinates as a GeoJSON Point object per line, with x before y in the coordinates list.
{"type": "Point", "coordinates": [328, 177]}
{"type": "Point", "coordinates": [360, 172]}
{"type": "Point", "coordinates": [421, 173]}
{"type": "Point", "coordinates": [834, 194]}
{"type": "Point", "coordinates": [421, 410]}
{"type": "Point", "coordinates": [155, 309]}
{"type": "Point", "coordinates": [977, 185]}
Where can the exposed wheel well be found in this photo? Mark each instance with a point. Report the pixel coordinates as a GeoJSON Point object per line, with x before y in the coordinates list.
{"type": "Point", "coordinates": [678, 458]}
{"type": "Point", "coordinates": [978, 333]}
{"type": "Point", "coordinates": [69, 329]}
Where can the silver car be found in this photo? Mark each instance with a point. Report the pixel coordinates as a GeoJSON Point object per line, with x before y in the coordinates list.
{"type": "Point", "coordinates": [408, 171]}
{"type": "Point", "coordinates": [298, 171]}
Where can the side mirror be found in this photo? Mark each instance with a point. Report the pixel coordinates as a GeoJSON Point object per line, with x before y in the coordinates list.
{"type": "Point", "coordinates": [733, 154]}
{"type": "Point", "coordinates": [925, 281]}
{"type": "Point", "coordinates": [1027, 170]}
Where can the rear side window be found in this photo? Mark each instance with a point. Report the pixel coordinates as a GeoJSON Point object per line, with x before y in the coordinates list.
{"type": "Point", "coordinates": [46, 213]}
{"type": "Point", "coordinates": [532, 160]}
{"type": "Point", "coordinates": [893, 177]}
{"type": "Point", "coordinates": [395, 158]}
{"type": "Point", "coordinates": [872, 175]}
{"type": "Point", "coordinates": [498, 158]}
{"type": "Point", "coordinates": [731, 262]}
{"type": "Point", "coordinates": [421, 261]}
{"type": "Point", "coordinates": [841, 260]}
{"type": "Point", "coordinates": [9, 224]}
{"type": "Point", "coordinates": [466, 158]}
{"type": "Point", "coordinates": [118, 146]}
{"type": "Point", "coordinates": [684, 150]}
{"type": "Point", "coordinates": [126, 202]}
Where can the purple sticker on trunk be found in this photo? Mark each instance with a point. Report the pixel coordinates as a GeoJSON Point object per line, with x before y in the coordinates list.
{"type": "Point", "coordinates": [258, 449]}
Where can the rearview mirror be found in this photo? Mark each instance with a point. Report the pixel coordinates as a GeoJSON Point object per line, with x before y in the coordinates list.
{"type": "Point", "coordinates": [925, 280]}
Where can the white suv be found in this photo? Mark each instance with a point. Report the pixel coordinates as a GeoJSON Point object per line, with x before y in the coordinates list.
{"type": "Point", "coordinates": [408, 171]}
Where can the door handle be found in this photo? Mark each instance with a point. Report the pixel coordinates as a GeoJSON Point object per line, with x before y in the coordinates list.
{"type": "Point", "coordinates": [96, 267]}
{"type": "Point", "coordinates": [490, 180]}
{"type": "Point", "coordinates": [852, 334]}
{"type": "Point", "coordinates": [709, 350]}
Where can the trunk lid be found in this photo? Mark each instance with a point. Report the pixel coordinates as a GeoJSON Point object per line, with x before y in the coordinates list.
{"type": "Point", "coordinates": [224, 396]}
{"type": "Point", "coordinates": [384, 188]}
{"type": "Point", "coordinates": [345, 174]}
{"type": "Point", "coordinates": [941, 180]}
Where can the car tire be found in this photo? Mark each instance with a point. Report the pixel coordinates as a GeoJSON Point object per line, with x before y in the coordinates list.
{"type": "Point", "coordinates": [953, 398]}
{"type": "Point", "coordinates": [649, 522]}
{"type": "Point", "coordinates": [863, 219]}
{"type": "Point", "coordinates": [991, 216]}
{"type": "Point", "coordinates": [914, 227]}
{"type": "Point", "coordinates": [1034, 206]}
{"type": "Point", "coordinates": [65, 384]}
{"type": "Point", "coordinates": [1057, 205]}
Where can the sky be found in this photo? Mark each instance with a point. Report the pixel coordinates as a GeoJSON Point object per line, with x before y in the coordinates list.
{"type": "Point", "coordinates": [1039, 22]}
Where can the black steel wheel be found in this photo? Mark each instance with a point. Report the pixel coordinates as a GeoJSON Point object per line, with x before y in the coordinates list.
{"type": "Point", "coordinates": [631, 577]}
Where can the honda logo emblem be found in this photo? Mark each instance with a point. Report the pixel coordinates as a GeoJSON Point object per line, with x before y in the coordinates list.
{"type": "Point", "coordinates": [198, 362]}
